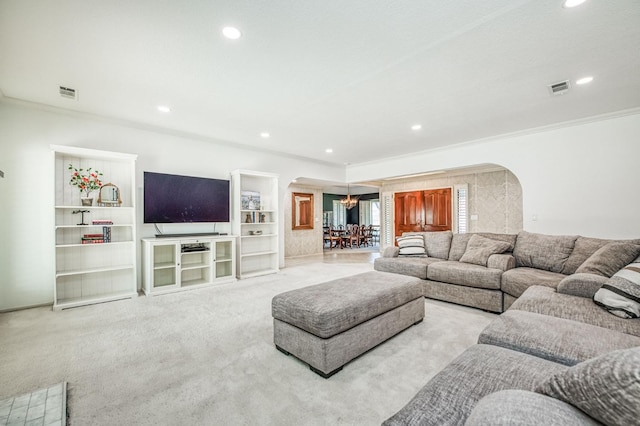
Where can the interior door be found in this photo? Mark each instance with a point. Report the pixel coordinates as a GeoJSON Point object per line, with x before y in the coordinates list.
{"type": "Point", "coordinates": [408, 211]}
{"type": "Point", "coordinates": [437, 210]}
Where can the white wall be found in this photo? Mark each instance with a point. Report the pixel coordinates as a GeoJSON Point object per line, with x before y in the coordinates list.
{"type": "Point", "coordinates": [581, 179]}
{"type": "Point", "coordinates": [26, 192]}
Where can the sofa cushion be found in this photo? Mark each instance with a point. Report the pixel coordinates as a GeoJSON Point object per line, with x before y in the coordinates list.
{"type": "Point", "coordinates": [620, 294]}
{"type": "Point", "coordinates": [412, 266]}
{"type": "Point", "coordinates": [609, 259]}
{"type": "Point", "coordinates": [411, 245]}
{"type": "Point", "coordinates": [438, 244]}
{"type": "Point", "coordinates": [584, 248]}
{"type": "Point", "coordinates": [582, 285]}
{"type": "Point", "coordinates": [449, 397]}
{"type": "Point", "coordinates": [459, 242]}
{"type": "Point", "coordinates": [516, 281]}
{"type": "Point", "coordinates": [464, 274]}
{"type": "Point", "coordinates": [479, 249]}
{"type": "Point", "coordinates": [546, 252]}
{"type": "Point", "coordinates": [525, 408]}
{"type": "Point", "coordinates": [458, 246]}
{"type": "Point", "coordinates": [606, 388]}
{"type": "Point", "coordinates": [545, 300]}
{"type": "Point", "coordinates": [556, 339]}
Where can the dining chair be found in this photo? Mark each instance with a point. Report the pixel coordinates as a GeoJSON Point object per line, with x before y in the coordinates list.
{"type": "Point", "coordinates": [367, 235]}
{"type": "Point", "coordinates": [352, 236]}
{"type": "Point", "coordinates": [333, 236]}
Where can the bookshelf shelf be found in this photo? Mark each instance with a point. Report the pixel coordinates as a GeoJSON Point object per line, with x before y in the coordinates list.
{"type": "Point", "coordinates": [115, 243]}
{"type": "Point", "coordinates": [93, 270]}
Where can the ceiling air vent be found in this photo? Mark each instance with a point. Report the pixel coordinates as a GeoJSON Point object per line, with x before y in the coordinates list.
{"type": "Point", "coordinates": [67, 92]}
{"type": "Point", "coordinates": [559, 88]}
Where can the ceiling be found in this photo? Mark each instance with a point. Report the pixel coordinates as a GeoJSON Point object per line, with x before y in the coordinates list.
{"type": "Point", "coordinates": [352, 75]}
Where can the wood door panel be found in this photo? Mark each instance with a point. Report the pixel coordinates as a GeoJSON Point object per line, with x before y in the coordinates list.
{"type": "Point", "coordinates": [408, 212]}
{"type": "Point", "coordinates": [437, 210]}
{"type": "Point", "coordinates": [428, 210]}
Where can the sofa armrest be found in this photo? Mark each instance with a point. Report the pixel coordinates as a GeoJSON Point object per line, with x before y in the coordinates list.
{"type": "Point", "coordinates": [504, 262]}
{"type": "Point", "coordinates": [391, 251]}
{"type": "Point", "coordinates": [581, 284]}
{"type": "Point", "coordinates": [524, 408]}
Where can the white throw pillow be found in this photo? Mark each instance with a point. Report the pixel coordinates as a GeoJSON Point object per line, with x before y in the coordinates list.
{"type": "Point", "coordinates": [411, 245]}
{"type": "Point", "coordinates": [620, 294]}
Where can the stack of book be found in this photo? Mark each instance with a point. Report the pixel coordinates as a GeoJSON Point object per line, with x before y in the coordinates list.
{"type": "Point", "coordinates": [105, 237]}
{"type": "Point", "coordinates": [93, 239]}
{"type": "Point", "coordinates": [101, 222]}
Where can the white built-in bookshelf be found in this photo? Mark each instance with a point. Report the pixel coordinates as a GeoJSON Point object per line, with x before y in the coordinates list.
{"type": "Point", "coordinates": [256, 226]}
{"type": "Point", "coordinates": [103, 270]}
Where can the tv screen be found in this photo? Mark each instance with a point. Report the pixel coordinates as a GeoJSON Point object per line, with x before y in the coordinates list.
{"type": "Point", "coordinates": [184, 199]}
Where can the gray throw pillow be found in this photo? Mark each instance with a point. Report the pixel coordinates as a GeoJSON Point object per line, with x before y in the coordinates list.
{"type": "Point", "coordinates": [606, 388]}
{"type": "Point", "coordinates": [479, 249]}
{"type": "Point", "coordinates": [609, 259]}
{"type": "Point", "coordinates": [620, 294]}
{"type": "Point", "coordinates": [411, 245]}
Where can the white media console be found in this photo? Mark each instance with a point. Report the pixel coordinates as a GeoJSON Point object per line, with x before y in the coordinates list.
{"type": "Point", "coordinates": [185, 262]}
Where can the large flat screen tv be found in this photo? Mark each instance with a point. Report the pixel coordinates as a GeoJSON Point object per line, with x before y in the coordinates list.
{"type": "Point", "coordinates": [184, 199]}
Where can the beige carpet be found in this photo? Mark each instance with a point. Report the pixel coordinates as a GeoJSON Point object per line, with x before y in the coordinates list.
{"type": "Point", "coordinates": [206, 357]}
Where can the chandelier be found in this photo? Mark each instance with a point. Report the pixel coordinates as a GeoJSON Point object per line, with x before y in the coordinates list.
{"type": "Point", "coordinates": [349, 202]}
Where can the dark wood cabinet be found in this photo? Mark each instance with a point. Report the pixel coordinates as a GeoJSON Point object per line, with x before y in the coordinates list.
{"type": "Point", "coordinates": [425, 210]}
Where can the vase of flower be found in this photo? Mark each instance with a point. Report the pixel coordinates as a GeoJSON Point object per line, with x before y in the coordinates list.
{"type": "Point", "coordinates": [86, 180]}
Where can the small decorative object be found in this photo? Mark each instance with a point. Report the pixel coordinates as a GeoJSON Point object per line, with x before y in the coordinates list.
{"type": "Point", "coordinates": [82, 212]}
{"type": "Point", "coordinates": [263, 218]}
{"type": "Point", "coordinates": [258, 232]}
{"type": "Point", "coordinates": [248, 218]}
{"type": "Point", "coordinates": [250, 200]}
{"type": "Point", "coordinates": [109, 196]}
{"type": "Point", "coordinates": [87, 181]}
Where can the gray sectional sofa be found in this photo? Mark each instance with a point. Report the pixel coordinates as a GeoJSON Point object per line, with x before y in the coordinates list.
{"type": "Point", "coordinates": [551, 359]}
{"type": "Point", "coordinates": [555, 357]}
{"type": "Point", "coordinates": [490, 271]}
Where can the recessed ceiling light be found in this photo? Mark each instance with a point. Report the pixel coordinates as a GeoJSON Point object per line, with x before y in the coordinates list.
{"type": "Point", "coordinates": [164, 108]}
{"type": "Point", "coordinates": [416, 127]}
{"type": "Point", "coordinates": [572, 3]}
{"type": "Point", "coordinates": [264, 135]}
{"type": "Point", "coordinates": [584, 80]}
{"type": "Point", "coordinates": [231, 33]}
{"type": "Point", "coordinates": [328, 150]}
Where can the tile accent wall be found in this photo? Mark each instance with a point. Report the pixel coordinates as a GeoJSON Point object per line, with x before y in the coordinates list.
{"type": "Point", "coordinates": [495, 197]}
{"type": "Point", "coordinates": [302, 242]}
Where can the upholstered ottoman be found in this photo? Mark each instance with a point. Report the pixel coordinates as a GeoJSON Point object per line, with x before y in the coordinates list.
{"type": "Point", "coordinates": [329, 324]}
